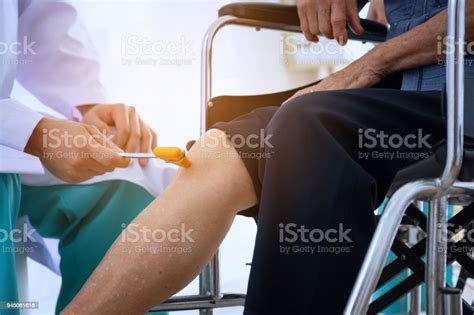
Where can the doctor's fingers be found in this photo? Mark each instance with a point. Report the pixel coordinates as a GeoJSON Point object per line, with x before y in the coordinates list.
{"type": "Point", "coordinates": [79, 169]}
{"type": "Point", "coordinates": [121, 118]}
{"type": "Point", "coordinates": [103, 139]}
{"type": "Point", "coordinates": [133, 141]}
{"type": "Point", "coordinates": [101, 125]}
{"type": "Point", "coordinates": [127, 124]}
{"type": "Point", "coordinates": [147, 140]}
{"type": "Point", "coordinates": [154, 139]}
{"type": "Point", "coordinates": [104, 152]}
{"type": "Point", "coordinates": [108, 159]}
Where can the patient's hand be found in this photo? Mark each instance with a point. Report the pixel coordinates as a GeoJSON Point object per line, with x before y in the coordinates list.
{"type": "Point", "coordinates": [328, 18]}
{"type": "Point", "coordinates": [359, 74]}
{"type": "Point", "coordinates": [131, 132]}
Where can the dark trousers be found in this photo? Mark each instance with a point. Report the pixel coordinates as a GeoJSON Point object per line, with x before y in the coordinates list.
{"type": "Point", "coordinates": [322, 177]}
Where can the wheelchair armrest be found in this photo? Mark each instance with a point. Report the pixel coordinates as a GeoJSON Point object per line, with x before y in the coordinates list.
{"type": "Point", "coordinates": [288, 15]}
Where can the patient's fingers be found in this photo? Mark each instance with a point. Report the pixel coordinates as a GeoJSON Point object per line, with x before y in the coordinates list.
{"type": "Point", "coordinates": [313, 23]}
{"type": "Point", "coordinates": [338, 21]}
{"type": "Point", "coordinates": [304, 23]}
{"type": "Point", "coordinates": [353, 17]}
{"type": "Point", "coordinates": [324, 19]}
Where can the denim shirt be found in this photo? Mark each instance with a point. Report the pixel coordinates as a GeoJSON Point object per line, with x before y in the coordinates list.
{"type": "Point", "coordinates": [404, 15]}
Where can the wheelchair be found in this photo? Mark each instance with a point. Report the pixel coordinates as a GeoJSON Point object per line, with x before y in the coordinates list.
{"type": "Point", "coordinates": [453, 158]}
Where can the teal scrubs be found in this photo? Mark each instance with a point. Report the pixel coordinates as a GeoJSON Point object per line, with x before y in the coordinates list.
{"type": "Point", "coordinates": [85, 218]}
{"type": "Point", "coordinates": [10, 195]}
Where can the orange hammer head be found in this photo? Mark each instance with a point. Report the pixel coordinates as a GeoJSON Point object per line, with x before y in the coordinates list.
{"type": "Point", "coordinates": [172, 155]}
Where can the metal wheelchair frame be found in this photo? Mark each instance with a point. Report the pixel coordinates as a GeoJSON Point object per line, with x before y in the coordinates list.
{"type": "Point", "coordinates": [440, 300]}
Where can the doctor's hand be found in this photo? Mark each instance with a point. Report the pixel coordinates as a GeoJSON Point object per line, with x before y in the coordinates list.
{"type": "Point", "coordinates": [73, 152]}
{"type": "Point", "coordinates": [329, 18]}
{"type": "Point", "coordinates": [131, 132]}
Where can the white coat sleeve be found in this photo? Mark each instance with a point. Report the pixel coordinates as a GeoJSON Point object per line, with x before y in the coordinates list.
{"type": "Point", "coordinates": [59, 65]}
{"type": "Point", "coordinates": [17, 122]}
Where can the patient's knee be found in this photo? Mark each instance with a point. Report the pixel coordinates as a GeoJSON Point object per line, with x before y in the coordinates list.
{"type": "Point", "coordinates": [214, 149]}
{"type": "Point", "coordinates": [216, 165]}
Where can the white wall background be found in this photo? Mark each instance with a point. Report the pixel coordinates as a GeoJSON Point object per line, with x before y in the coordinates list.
{"type": "Point", "coordinates": [168, 96]}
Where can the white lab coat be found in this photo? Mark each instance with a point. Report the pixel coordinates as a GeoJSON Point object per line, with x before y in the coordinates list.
{"type": "Point", "coordinates": [60, 68]}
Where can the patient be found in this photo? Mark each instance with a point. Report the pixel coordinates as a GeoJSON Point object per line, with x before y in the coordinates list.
{"type": "Point", "coordinates": [328, 163]}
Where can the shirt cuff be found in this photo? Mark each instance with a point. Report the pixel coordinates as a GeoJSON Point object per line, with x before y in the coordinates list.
{"type": "Point", "coordinates": [18, 122]}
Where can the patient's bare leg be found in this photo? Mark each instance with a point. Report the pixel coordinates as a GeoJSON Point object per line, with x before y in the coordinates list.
{"type": "Point", "coordinates": [203, 198]}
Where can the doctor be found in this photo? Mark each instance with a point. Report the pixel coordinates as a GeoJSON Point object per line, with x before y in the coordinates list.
{"type": "Point", "coordinates": [44, 47]}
